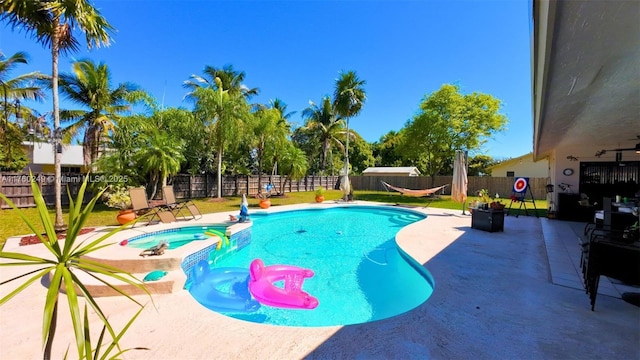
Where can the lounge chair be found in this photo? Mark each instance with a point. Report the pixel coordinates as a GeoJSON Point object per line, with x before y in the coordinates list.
{"type": "Point", "coordinates": [178, 207]}
{"type": "Point", "coordinates": [167, 216]}
{"type": "Point", "coordinates": [141, 207]}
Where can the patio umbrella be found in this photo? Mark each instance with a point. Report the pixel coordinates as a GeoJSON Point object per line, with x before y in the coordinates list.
{"type": "Point", "coordinates": [244, 209]}
{"type": "Point", "coordinates": [459, 183]}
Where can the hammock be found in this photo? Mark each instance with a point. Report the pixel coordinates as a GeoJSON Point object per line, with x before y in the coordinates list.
{"type": "Point", "coordinates": [414, 193]}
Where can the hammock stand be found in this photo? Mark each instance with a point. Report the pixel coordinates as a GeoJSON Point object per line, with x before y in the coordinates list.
{"type": "Point", "coordinates": [428, 193]}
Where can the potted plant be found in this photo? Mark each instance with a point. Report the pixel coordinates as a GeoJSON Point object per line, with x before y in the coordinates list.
{"type": "Point", "coordinates": [320, 194]}
{"type": "Point", "coordinates": [265, 202]}
{"type": "Point", "coordinates": [473, 205]}
{"type": "Point", "coordinates": [120, 199]}
{"type": "Point", "coordinates": [497, 204]}
{"type": "Point", "coordinates": [485, 198]}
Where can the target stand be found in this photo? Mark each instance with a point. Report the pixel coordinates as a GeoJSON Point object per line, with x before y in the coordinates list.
{"type": "Point", "coordinates": [519, 195]}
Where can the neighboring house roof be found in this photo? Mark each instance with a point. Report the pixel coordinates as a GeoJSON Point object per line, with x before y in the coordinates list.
{"type": "Point", "coordinates": [527, 157]}
{"type": "Point", "coordinates": [43, 154]}
{"type": "Point", "coordinates": [392, 170]}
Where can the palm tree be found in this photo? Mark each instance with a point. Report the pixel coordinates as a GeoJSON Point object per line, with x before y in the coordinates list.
{"type": "Point", "coordinates": [349, 96]}
{"type": "Point", "coordinates": [51, 23]}
{"type": "Point", "coordinates": [322, 121]}
{"type": "Point", "coordinates": [281, 106]}
{"type": "Point", "coordinates": [12, 90]}
{"type": "Point", "coordinates": [88, 86]}
{"type": "Point", "coordinates": [22, 87]}
{"type": "Point", "coordinates": [230, 80]}
{"type": "Point", "coordinates": [228, 105]}
{"type": "Point", "coordinates": [294, 164]}
{"type": "Point", "coordinates": [160, 158]}
{"type": "Point", "coordinates": [224, 114]}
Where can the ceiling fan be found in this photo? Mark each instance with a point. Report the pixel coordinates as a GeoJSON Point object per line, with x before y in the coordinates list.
{"type": "Point", "coordinates": [635, 148]}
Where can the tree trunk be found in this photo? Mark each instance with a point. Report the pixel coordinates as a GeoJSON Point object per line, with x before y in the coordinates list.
{"type": "Point", "coordinates": [55, 52]}
{"type": "Point", "coordinates": [346, 162]}
{"type": "Point", "coordinates": [220, 172]}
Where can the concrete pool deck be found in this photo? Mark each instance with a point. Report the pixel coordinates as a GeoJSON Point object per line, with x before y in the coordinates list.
{"type": "Point", "coordinates": [505, 295]}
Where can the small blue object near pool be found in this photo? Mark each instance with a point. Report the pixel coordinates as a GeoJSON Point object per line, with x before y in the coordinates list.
{"type": "Point", "coordinates": [155, 275]}
{"type": "Point", "coordinates": [199, 236]}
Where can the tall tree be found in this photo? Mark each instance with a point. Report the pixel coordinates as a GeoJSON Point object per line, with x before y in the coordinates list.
{"type": "Point", "coordinates": [479, 165]}
{"type": "Point", "coordinates": [282, 132]}
{"type": "Point", "coordinates": [361, 154]}
{"type": "Point", "coordinates": [325, 127]}
{"type": "Point", "coordinates": [293, 164]}
{"type": "Point", "coordinates": [159, 157]}
{"type": "Point", "coordinates": [348, 97]}
{"type": "Point", "coordinates": [385, 151]}
{"type": "Point", "coordinates": [52, 23]}
{"type": "Point", "coordinates": [12, 90]}
{"type": "Point", "coordinates": [449, 121]}
{"type": "Point", "coordinates": [88, 86]}
{"type": "Point", "coordinates": [224, 114]}
{"type": "Point", "coordinates": [230, 80]}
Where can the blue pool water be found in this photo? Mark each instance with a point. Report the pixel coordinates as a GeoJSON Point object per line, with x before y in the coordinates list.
{"type": "Point", "coordinates": [175, 237]}
{"type": "Point", "coordinates": [360, 275]}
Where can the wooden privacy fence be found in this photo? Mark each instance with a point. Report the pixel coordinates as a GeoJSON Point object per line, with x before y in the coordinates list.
{"type": "Point", "coordinates": [199, 186]}
{"type": "Point", "coordinates": [496, 185]}
{"type": "Point", "coordinates": [16, 186]}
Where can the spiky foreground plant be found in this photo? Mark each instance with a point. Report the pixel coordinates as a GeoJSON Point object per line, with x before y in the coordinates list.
{"type": "Point", "coordinates": [67, 258]}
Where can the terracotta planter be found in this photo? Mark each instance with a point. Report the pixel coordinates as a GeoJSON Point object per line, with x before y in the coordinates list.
{"type": "Point", "coordinates": [265, 203]}
{"type": "Point", "coordinates": [496, 206]}
{"type": "Point", "coordinates": [124, 216]}
{"type": "Point", "coordinates": [319, 198]}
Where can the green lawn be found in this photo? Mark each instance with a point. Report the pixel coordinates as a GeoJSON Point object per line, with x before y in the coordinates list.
{"type": "Point", "coordinates": [11, 224]}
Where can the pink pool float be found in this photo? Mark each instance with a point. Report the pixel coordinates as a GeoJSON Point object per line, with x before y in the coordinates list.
{"type": "Point", "coordinates": [291, 296]}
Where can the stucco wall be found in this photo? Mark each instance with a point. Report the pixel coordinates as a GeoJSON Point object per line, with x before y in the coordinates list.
{"type": "Point", "coordinates": [522, 167]}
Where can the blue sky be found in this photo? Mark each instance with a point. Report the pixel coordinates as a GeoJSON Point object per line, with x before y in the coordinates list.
{"type": "Point", "coordinates": [294, 50]}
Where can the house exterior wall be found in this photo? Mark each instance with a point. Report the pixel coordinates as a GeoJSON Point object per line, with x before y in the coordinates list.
{"type": "Point", "coordinates": [570, 158]}
{"type": "Point", "coordinates": [41, 157]}
{"type": "Point", "coordinates": [523, 166]}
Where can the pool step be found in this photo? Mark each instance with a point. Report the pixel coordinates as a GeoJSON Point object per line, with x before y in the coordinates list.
{"type": "Point", "coordinates": [141, 264]}
{"type": "Point", "coordinates": [172, 282]}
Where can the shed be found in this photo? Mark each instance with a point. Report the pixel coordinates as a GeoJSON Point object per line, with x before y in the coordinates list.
{"type": "Point", "coordinates": [392, 171]}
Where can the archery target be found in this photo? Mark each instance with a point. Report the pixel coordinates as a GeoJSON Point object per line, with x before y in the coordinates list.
{"type": "Point", "coordinates": [520, 185]}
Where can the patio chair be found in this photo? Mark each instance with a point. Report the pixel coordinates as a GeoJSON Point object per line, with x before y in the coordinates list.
{"type": "Point", "coordinates": [141, 207]}
{"type": "Point", "coordinates": [167, 216]}
{"type": "Point", "coordinates": [177, 207]}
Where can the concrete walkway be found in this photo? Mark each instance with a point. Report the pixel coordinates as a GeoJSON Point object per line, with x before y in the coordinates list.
{"type": "Point", "coordinates": [497, 296]}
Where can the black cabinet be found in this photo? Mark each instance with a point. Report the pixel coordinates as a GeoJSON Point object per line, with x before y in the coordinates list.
{"type": "Point", "coordinates": [569, 208]}
{"type": "Point", "coordinates": [487, 220]}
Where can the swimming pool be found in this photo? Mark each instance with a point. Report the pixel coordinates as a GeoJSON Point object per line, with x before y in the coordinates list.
{"type": "Point", "coordinates": [175, 237]}
{"type": "Point", "coordinates": [360, 274]}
